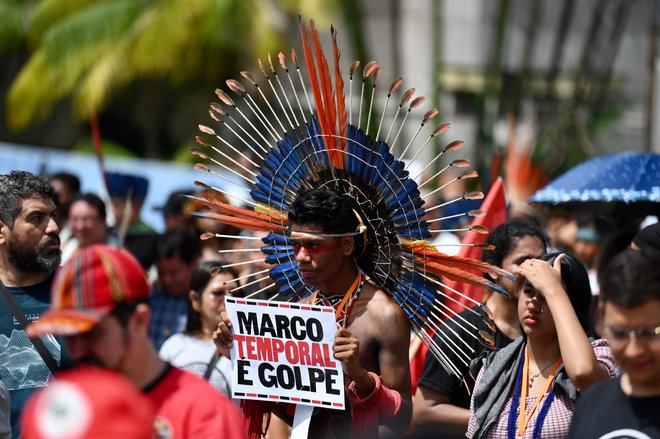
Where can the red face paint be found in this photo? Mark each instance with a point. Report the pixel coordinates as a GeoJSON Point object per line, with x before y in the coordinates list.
{"type": "Point", "coordinates": [315, 249]}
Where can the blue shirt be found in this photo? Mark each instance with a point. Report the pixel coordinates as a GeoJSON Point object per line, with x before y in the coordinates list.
{"type": "Point", "coordinates": [168, 315]}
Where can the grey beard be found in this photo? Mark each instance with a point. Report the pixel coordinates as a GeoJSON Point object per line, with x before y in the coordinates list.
{"type": "Point", "coordinates": [29, 261]}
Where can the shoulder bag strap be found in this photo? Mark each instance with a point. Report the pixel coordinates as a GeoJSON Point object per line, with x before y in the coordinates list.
{"type": "Point", "coordinates": [209, 368]}
{"type": "Point", "coordinates": [37, 342]}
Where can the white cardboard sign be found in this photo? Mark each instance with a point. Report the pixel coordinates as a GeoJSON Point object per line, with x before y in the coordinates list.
{"type": "Point", "coordinates": [283, 352]}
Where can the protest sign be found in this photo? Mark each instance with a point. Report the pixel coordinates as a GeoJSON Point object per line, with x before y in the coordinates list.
{"type": "Point", "coordinates": [283, 352]}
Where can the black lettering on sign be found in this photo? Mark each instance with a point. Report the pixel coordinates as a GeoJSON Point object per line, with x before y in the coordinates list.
{"type": "Point", "coordinates": [296, 328]}
{"type": "Point", "coordinates": [314, 330]}
{"type": "Point", "coordinates": [266, 326]}
{"type": "Point", "coordinates": [300, 385]}
{"type": "Point", "coordinates": [330, 381]}
{"type": "Point", "coordinates": [242, 372]}
{"type": "Point", "coordinates": [285, 377]}
{"type": "Point", "coordinates": [282, 323]}
{"type": "Point", "coordinates": [289, 377]}
{"type": "Point", "coordinates": [268, 380]}
{"type": "Point", "coordinates": [315, 376]}
{"type": "Point", "coordinates": [247, 323]}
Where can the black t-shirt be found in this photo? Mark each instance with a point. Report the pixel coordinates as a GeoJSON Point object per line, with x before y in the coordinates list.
{"type": "Point", "coordinates": [436, 378]}
{"type": "Point", "coordinates": [604, 411]}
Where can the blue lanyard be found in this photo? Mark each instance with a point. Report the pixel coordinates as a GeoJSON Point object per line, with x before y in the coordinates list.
{"type": "Point", "coordinates": [515, 403]}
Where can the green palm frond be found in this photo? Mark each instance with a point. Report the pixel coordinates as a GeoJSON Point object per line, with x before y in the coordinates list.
{"type": "Point", "coordinates": [90, 49]}
{"type": "Point", "coordinates": [164, 33]}
{"type": "Point", "coordinates": [49, 13]}
{"type": "Point", "coordinates": [99, 23]}
{"type": "Point", "coordinates": [13, 22]}
{"type": "Point", "coordinates": [108, 73]}
{"type": "Point", "coordinates": [32, 94]}
{"type": "Point", "coordinates": [68, 51]}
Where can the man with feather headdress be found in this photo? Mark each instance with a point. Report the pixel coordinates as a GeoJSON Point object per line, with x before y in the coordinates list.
{"type": "Point", "coordinates": [372, 340]}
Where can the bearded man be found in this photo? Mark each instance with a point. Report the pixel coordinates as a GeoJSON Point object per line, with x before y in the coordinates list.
{"type": "Point", "coordinates": [29, 254]}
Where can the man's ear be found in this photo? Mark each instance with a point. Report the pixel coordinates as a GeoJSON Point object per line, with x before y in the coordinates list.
{"type": "Point", "coordinates": [141, 318]}
{"type": "Point", "coordinates": [348, 244]}
{"type": "Point", "coordinates": [4, 232]}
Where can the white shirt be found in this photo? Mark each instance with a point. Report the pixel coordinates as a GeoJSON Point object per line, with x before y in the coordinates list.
{"type": "Point", "coordinates": [194, 355]}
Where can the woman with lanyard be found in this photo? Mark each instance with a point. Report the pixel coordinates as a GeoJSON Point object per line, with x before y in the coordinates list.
{"type": "Point", "coordinates": [529, 388]}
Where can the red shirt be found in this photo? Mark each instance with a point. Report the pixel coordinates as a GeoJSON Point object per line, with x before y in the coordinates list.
{"type": "Point", "coordinates": [188, 407]}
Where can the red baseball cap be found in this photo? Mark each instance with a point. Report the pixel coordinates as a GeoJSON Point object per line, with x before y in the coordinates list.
{"type": "Point", "coordinates": [88, 287]}
{"type": "Point", "coordinates": [86, 403]}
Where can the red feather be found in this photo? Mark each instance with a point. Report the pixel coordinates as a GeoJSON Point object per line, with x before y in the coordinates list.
{"type": "Point", "coordinates": [238, 212]}
{"type": "Point", "coordinates": [326, 83]}
{"type": "Point", "coordinates": [454, 273]}
{"type": "Point", "coordinates": [425, 253]}
{"type": "Point", "coordinates": [245, 223]}
{"type": "Point", "coordinates": [311, 71]}
{"type": "Point", "coordinates": [327, 110]}
{"type": "Point", "coordinates": [339, 85]}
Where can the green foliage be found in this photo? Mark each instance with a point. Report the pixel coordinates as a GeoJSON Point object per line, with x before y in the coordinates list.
{"type": "Point", "coordinates": [183, 155]}
{"type": "Point", "coordinates": [110, 149]}
{"type": "Point", "coordinates": [605, 117]}
{"type": "Point", "coordinates": [48, 13]}
{"type": "Point", "coordinates": [12, 26]}
{"type": "Point", "coordinates": [89, 50]}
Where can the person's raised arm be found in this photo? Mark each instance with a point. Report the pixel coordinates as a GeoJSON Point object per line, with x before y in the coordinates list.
{"type": "Point", "coordinates": [576, 351]}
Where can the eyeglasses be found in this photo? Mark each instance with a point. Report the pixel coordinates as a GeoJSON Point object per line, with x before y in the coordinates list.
{"type": "Point", "coordinates": [623, 335]}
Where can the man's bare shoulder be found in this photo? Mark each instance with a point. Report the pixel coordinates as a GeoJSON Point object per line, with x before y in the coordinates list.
{"type": "Point", "coordinates": [381, 307]}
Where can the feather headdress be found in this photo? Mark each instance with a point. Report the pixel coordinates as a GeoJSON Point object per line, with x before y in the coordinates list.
{"type": "Point", "coordinates": [303, 130]}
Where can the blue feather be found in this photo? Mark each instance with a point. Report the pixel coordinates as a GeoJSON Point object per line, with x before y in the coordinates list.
{"type": "Point", "coordinates": [277, 239]}
{"type": "Point", "coordinates": [414, 230]}
{"type": "Point", "coordinates": [270, 249]}
{"type": "Point", "coordinates": [408, 216]}
{"type": "Point", "coordinates": [407, 205]}
{"type": "Point", "coordinates": [278, 258]}
{"type": "Point", "coordinates": [283, 268]}
{"type": "Point", "coordinates": [275, 193]}
{"type": "Point", "coordinates": [260, 197]}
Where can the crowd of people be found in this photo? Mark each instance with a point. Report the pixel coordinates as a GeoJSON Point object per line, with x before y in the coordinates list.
{"type": "Point", "coordinates": [132, 324]}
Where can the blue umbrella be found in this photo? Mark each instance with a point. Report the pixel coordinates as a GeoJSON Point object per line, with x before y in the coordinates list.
{"type": "Point", "coordinates": [626, 181]}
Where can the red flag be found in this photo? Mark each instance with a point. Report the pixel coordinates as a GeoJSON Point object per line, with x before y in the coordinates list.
{"type": "Point", "coordinates": [495, 207]}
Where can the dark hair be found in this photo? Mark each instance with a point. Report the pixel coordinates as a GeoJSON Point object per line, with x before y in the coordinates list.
{"type": "Point", "coordinates": [648, 237]}
{"type": "Point", "coordinates": [18, 186]}
{"type": "Point", "coordinates": [177, 242]}
{"type": "Point", "coordinates": [70, 181]}
{"type": "Point", "coordinates": [325, 208]}
{"type": "Point", "coordinates": [93, 200]}
{"type": "Point", "coordinates": [631, 278]}
{"type": "Point", "coordinates": [613, 244]}
{"type": "Point", "coordinates": [199, 279]}
{"type": "Point", "coordinates": [123, 311]}
{"type": "Point", "coordinates": [575, 278]}
{"type": "Point", "coordinates": [505, 236]}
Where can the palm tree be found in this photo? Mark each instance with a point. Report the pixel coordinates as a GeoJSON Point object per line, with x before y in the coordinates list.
{"type": "Point", "coordinates": [152, 56]}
